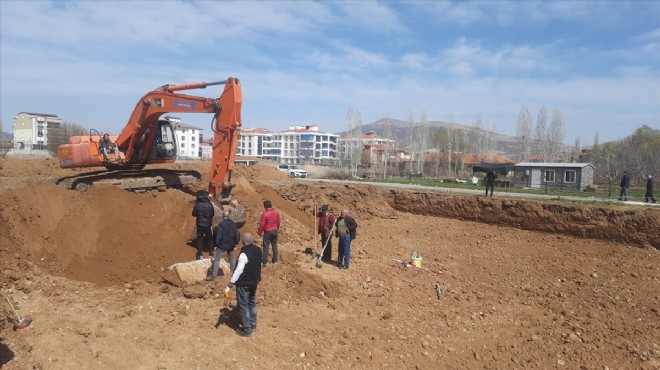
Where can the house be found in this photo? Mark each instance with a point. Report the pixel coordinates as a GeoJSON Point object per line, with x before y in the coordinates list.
{"type": "Point", "coordinates": [556, 176]}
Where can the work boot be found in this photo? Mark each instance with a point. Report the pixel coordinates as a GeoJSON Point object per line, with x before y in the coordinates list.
{"type": "Point", "coordinates": [243, 333]}
{"type": "Point", "coordinates": [210, 278]}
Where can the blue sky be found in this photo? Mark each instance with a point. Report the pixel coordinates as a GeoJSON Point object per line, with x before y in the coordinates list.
{"type": "Point", "coordinates": [304, 62]}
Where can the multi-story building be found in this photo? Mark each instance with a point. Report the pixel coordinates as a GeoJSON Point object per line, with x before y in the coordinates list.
{"type": "Point", "coordinates": [371, 147]}
{"type": "Point", "coordinates": [293, 146]}
{"type": "Point", "coordinates": [31, 129]}
{"type": "Point", "coordinates": [189, 139]}
{"type": "Point", "coordinates": [303, 143]}
{"type": "Point", "coordinates": [254, 142]}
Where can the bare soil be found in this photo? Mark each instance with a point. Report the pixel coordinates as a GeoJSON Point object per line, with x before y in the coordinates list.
{"type": "Point", "coordinates": [524, 284]}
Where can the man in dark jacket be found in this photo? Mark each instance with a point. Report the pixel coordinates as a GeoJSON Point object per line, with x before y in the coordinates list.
{"type": "Point", "coordinates": [649, 189]}
{"type": "Point", "coordinates": [226, 240]}
{"type": "Point", "coordinates": [346, 232]}
{"type": "Point", "coordinates": [490, 182]}
{"type": "Point", "coordinates": [246, 277]}
{"type": "Point", "coordinates": [106, 145]}
{"type": "Point", "coordinates": [204, 212]}
{"type": "Point", "coordinates": [325, 226]}
{"type": "Point", "coordinates": [625, 184]}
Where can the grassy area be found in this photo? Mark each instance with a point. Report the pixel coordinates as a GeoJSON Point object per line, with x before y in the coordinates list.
{"type": "Point", "coordinates": [603, 193]}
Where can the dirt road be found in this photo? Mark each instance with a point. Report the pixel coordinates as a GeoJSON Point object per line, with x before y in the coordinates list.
{"type": "Point", "coordinates": [525, 284]}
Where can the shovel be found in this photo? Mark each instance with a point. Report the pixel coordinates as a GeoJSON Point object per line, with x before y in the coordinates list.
{"type": "Point", "coordinates": [319, 262]}
{"type": "Point", "coordinates": [22, 323]}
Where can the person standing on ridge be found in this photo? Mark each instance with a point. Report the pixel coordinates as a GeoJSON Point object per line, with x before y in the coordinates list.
{"type": "Point", "coordinates": [649, 189]}
{"type": "Point", "coordinates": [269, 226]}
{"type": "Point", "coordinates": [490, 182]}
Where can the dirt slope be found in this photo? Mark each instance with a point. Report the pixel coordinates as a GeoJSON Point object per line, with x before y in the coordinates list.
{"type": "Point", "coordinates": [525, 289]}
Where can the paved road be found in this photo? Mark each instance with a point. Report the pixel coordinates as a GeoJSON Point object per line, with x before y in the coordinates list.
{"type": "Point", "coordinates": [477, 191]}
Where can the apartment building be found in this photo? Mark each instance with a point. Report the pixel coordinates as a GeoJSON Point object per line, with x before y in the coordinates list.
{"type": "Point", "coordinates": [189, 139]}
{"type": "Point", "coordinates": [31, 130]}
{"type": "Point", "coordinates": [254, 142]}
{"type": "Point", "coordinates": [296, 145]}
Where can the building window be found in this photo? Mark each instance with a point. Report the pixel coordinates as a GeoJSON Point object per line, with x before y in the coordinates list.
{"type": "Point", "coordinates": [192, 145]}
{"type": "Point", "coordinates": [183, 145]}
{"type": "Point", "coordinates": [569, 176]}
{"type": "Point", "coordinates": [549, 175]}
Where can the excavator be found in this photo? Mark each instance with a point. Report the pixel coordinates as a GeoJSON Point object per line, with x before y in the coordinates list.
{"type": "Point", "coordinates": [148, 138]}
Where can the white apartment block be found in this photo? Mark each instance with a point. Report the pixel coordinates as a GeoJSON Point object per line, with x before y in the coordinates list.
{"type": "Point", "coordinates": [31, 129]}
{"type": "Point", "coordinates": [189, 139]}
{"type": "Point", "coordinates": [254, 142]}
{"type": "Point", "coordinates": [296, 145]}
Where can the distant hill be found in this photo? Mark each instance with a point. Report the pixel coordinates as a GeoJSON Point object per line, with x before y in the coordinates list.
{"type": "Point", "coordinates": [503, 144]}
{"type": "Point", "coordinates": [6, 135]}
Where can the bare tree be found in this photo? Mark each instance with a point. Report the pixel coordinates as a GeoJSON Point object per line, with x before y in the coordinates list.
{"type": "Point", "coordinates": [577, 150]}
{"type": "Point", "coordinates": [479, 137]}
{"type": "Point", "coordinates": [524, 134]}
{"type": "Point", "coordinates": [422, 145]}
{"type": "Point", "coordinates": [410, 138]}
{"type": "Point", "coordinates": [542, 133]}
{"type": "Point", "coordinates": [353, 147]}
{"type": "Point", "coordinates": [556, 134]}
{"type": "Point", "coordinates": [387, 149]}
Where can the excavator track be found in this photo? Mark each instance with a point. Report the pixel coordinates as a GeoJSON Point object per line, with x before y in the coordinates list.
{"type": "Point", "coordinates": [133, 180]}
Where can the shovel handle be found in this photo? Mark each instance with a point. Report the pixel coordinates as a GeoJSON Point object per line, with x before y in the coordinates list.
{"type": "Point", "coordinates": [13, 309]}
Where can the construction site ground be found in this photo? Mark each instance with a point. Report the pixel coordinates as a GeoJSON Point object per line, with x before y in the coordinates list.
{"type": "Point", "coordinates": [525, 284]}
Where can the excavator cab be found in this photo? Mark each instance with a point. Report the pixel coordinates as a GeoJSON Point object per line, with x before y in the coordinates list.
{"type": "Point", "coordinates": [164, 148]}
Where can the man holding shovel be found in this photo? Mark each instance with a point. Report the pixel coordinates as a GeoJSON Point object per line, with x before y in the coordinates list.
{"type": "Point", "coordinates": [326, 222]}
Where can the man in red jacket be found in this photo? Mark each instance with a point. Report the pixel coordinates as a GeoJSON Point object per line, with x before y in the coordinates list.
{"type": "Point", "coordinates": [325, 227]}
{"type": "Point", "coordinates": [269, 226]}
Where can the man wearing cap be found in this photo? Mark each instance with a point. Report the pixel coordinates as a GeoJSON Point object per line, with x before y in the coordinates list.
{"type": "Point", "coordinates": [326, 224]}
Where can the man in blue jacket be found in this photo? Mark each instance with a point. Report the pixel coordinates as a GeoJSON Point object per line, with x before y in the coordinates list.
{"type": "Point", "coordinates": [226, 240]}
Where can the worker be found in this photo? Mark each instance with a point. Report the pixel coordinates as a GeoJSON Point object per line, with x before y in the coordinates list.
{"type": "Point", "coordinates": [490, 182]}
{"type": "Point", "coordinates": [105, 145]}
{"type": "Point", "coordinates": [649, 189]}
{"type": "Point", "coordinates": [346, 232]}
{"type": "Point", "coordinates": [204, 213]}
{"type": "Point", "coordinates": [246, 277]}
{"type": "Point", "coordinates": [269, 227]}
{"type": "Point", "coordinates": [624, 185]}
{"type": "Point", "coordinates": [325, 226]}
{"type": "Point", "coordinates": [226, 240]}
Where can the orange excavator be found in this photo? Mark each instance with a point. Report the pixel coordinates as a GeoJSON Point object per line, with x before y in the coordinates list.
{"type": "Point", "coordinates": [148, 138]}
